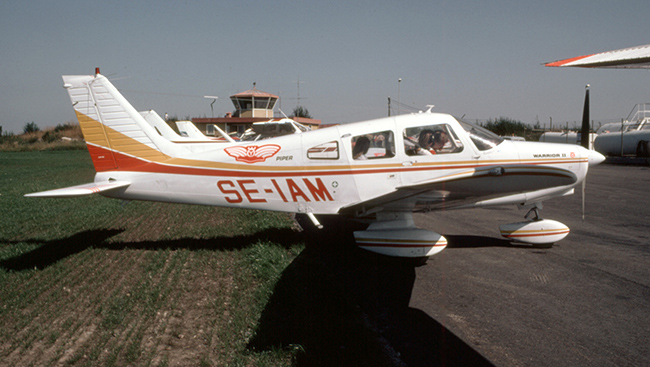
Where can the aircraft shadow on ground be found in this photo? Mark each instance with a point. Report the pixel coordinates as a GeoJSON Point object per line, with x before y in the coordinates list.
{"type": "Point", "coordinates": [457, 241]}
{"type": "Point", "coordinates": [462, 241]}
{"type": "Point", "coordinates": [337, 304]}
{"type": "Point", "coordinates": [53, 251]}
{"type": "Point", "coordinates": [344, 306]}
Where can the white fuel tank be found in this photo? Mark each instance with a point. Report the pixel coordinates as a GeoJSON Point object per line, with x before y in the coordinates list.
{"type": "Point", "coordinates": [537, 232]}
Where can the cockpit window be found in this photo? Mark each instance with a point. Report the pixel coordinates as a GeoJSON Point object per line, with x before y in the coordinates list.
{"type": "Point", "coordinates": [483, 139]}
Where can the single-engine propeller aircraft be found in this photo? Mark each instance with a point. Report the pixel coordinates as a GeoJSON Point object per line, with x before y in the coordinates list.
{"type": "Point", "coordinates": [382, 170]}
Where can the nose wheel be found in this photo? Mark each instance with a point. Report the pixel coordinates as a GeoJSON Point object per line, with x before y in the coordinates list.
{"type": "Point", "coordinates": [535, 230]}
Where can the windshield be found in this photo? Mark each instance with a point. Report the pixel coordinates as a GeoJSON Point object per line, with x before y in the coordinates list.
{"type": "Point", "coordinates": [269, 129]}
{"type": "Point", "coordinates": [483, 138]}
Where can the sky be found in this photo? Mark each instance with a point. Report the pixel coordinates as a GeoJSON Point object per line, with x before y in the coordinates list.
{"type": "Point", "coordinates": [341, 60]}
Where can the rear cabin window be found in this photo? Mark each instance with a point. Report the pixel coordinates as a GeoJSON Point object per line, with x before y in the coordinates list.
{"type": "Point", "coordinates": [377, 145]}
{"type": "Point", "coordinates": [329, 150]}
{"type": "Point", "coordinates": [430, 140]}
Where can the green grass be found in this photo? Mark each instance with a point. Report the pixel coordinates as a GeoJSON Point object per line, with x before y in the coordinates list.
{"type": "Point", "coordinates": [92, 282]}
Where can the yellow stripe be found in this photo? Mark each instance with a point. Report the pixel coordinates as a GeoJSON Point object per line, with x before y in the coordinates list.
{"type": "Point", "coordinates": [101, 135]}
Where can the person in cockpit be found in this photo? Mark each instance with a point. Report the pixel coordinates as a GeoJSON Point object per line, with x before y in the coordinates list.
{"type": "Point", "coordinates": [431, 141]}
{"type": "Point", "coordinates": [360, 149]}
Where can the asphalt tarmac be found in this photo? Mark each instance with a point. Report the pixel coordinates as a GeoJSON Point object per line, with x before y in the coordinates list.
{"type": "Point", "coordinates": [583, 302]}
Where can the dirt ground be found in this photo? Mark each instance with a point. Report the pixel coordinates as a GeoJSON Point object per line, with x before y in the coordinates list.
{"type": "Point", "coordinates": [133, 293]}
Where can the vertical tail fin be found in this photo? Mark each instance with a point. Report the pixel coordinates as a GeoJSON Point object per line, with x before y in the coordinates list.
{"type": "Point", "coordinates": [117, 136]}
{"type": "Point", "coordinates": [160, 125]}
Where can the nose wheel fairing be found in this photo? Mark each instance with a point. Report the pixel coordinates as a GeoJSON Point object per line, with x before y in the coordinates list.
{"type": "Point", "coordinates": [536, 231]}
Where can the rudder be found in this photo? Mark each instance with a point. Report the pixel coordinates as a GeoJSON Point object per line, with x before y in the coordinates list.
{"type": "Point", "coordinates": [116, 134]}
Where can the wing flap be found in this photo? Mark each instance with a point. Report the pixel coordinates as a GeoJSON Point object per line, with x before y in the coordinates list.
{"type": "Point", "coordinates": [404, 197]}
{"type": "Point", "coordinates": [80, 190]}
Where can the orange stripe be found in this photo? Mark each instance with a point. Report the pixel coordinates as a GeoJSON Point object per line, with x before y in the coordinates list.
{"type": "Point", "coordinates": [128, 163]}
{"type": "Point", "coordinates": [538, 234]}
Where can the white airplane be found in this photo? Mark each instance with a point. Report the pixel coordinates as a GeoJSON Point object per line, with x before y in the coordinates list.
{"type": "Point", "coordinates": [628, 138]}
{"type": "Point", "coordinates": [421, 162]}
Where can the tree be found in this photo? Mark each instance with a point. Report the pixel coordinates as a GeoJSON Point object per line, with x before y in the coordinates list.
{"type": "Point", "coordinates": [505, 127]}
{"type": "Point", "coordinates": [300, 111]}
{"type": "Point", "coordinates": [30, 127]}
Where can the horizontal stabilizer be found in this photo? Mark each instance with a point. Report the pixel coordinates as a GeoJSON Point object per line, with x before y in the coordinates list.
{"type": "Point", "coordinates": [80, 190]}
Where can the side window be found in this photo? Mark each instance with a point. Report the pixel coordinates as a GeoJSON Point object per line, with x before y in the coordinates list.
{"type": "Point", "coordinates": [373, 146]}
{"type": "Point", "coordinates": [329, 150]}
{"type": "Point", "coordinates": [429, 140]}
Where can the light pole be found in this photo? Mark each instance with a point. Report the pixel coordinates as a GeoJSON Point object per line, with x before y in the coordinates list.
{"type": "Point", "coordinates": [399, 81]}
{"type": "Point", "coordinates": [214, 99]}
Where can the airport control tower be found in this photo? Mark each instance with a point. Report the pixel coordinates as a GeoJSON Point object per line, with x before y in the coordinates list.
{"type": "Point", "coordinates": [254, 103]}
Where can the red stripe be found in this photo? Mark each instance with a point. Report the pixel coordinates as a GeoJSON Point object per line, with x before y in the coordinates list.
{"type": "Point", "coordinates": [567, 61]}
{"type": "Point", "coordinates": [129, 163]}
{"type": "Point", "coordinates": [537, 235]}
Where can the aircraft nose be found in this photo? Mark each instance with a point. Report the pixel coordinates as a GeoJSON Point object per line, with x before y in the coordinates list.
{"type": "Point", "coordinates": [595, 158]}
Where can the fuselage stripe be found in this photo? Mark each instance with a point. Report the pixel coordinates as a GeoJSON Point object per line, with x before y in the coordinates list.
{"type": "Point", "coordinates": [136, 164]}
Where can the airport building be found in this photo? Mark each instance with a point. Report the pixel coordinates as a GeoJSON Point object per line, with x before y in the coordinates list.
{"type": "Point", "coordinates": [251, 106]}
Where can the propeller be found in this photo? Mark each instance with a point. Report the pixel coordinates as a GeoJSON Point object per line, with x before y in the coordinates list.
{"type": "Point", "coordinates": [584, 140]}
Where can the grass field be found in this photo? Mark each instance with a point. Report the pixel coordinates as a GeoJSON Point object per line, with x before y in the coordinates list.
{"type": "Point", "coordinates": [95, 282]}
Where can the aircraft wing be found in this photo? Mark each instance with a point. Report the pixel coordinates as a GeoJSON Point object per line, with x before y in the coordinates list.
{"type": "Point", "coordinates": [419, 196]}
{"type": "Point", "coordinates": [80, 190]}
{"type": "Point", "coordinates": [627, 58]}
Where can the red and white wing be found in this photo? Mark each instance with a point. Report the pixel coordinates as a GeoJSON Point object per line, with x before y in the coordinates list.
{"type": "Point", "coordinates": [627, 58]}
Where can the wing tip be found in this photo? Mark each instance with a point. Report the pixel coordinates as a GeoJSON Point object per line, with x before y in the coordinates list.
{"type": "Point", "coordinates": [565, 62]}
